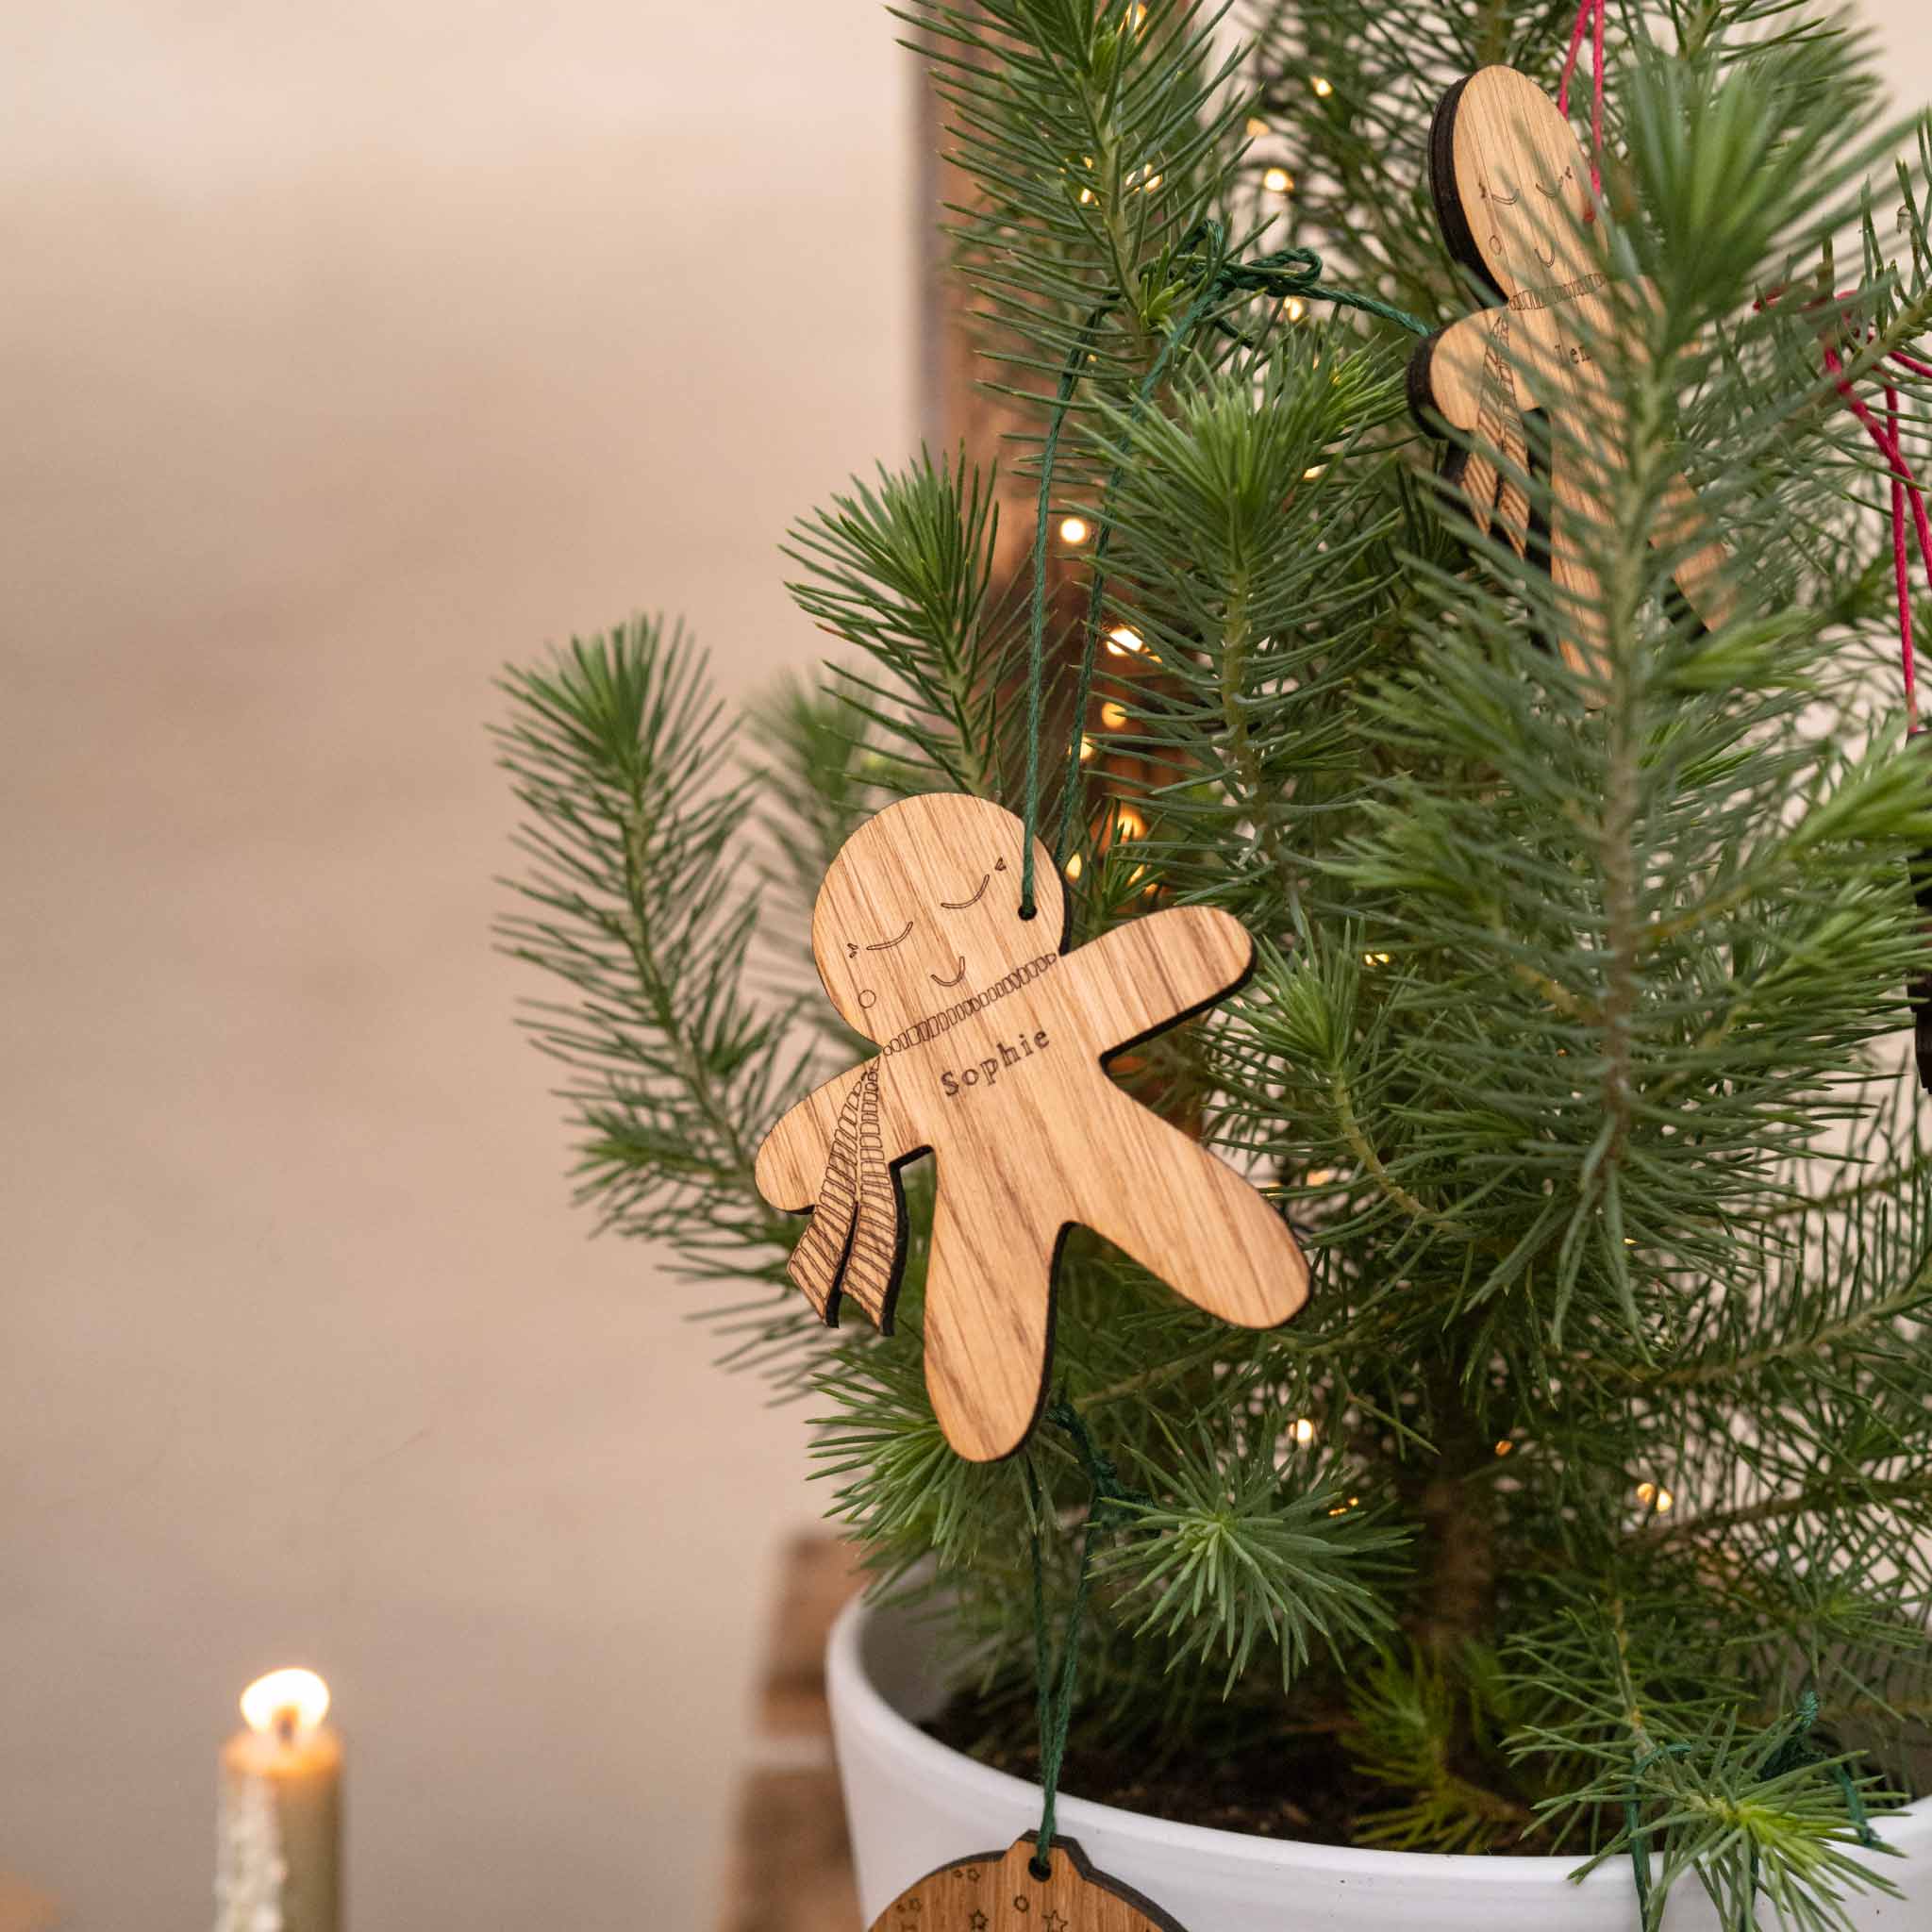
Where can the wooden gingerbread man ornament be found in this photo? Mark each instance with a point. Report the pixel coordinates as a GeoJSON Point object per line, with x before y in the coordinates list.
{"type": "Point", "coordinates": [1512, 194]}
{"type": "Point", "coordinates": [990, 1057]}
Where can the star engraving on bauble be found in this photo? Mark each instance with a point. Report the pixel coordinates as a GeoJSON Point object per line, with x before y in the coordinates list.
{"type": "Point", "coordinates": [979, 1922]}
{"type": "Point", "coordinates": [1055, 1921]}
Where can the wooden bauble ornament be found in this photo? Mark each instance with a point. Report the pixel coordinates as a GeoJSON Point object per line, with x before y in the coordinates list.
{"type": "Point", "coordinates": [997, 1891]}
{"type": "Point", "coordinates": [992, 1051]}
{"type": "Point", "coordinates": [1512, 194]}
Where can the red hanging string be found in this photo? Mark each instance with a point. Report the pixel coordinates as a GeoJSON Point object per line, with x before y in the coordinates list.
{"type": "Point", "coordinates": [1590, 16]}
{"type": "Point", "coordinates": [1905, 490]}
{"type": "Point", "coordinates": [1905, 493]}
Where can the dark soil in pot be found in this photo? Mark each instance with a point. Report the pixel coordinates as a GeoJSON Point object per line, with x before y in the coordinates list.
{"type": "Point", "coordinates": [1293, 1784]}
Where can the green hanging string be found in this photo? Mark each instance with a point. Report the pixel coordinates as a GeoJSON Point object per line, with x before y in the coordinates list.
{"type": "Point", "coordinates": [1794, 1751]}
{"type": "Point", "coordinates": [1287, 272]}
{"type": "Point", "coordinates": [1035, 622]}
{"type": "Point", "coordinates": [1054, 1682]}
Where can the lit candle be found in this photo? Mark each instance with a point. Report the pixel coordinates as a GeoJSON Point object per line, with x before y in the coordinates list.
{"type": "Point", "coordinates": [279, 1849]}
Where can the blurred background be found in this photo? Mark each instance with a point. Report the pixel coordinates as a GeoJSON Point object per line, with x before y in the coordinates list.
{"type": "Point", "coordinates": [347, 351]}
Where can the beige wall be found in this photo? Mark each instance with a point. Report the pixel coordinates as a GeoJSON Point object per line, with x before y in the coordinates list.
{"type": "Point", "coordinates": [348, 350]}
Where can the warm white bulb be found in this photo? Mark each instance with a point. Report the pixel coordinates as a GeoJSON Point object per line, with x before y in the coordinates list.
{"type": "Point", "coordinates": [1074, 866]}
{"type": "Point", "coordinates": [1304, 1431]}
{"type": "Point", "coordinates": [1124, 641]}
{"type": "Point", "coordinates": [1277, 181]}
{"type": "Point", "coordinates": [1074, 529]}
{"type": "Point", "coordinates": [1128, 823]}
{"type": "Point", "coordinates": [1294, 308]}
{"type": "Point", "coordinates": [1112, 715]}
{"type": "Point", "coordinates": [1323, 87]}
{"type": "Point", "coordinates": [1257, 127]}
{"type": "Point", "coordinates": [285, 1701]}
{"type": "Point", "coordinates": [1085, 748]}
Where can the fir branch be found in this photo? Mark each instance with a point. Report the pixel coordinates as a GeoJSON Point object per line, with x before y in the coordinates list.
{"type": "Point", "coordinates": [634, 902]}
{"type": "Point", "coordinates": [1232, 1557]}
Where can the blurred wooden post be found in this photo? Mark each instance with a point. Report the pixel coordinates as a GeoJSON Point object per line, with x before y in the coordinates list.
{"type": "Point", "coordinates": [955, 411]}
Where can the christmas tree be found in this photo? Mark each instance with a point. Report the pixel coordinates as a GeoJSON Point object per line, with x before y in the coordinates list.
{"type": "Point", "coordinates": [1587, 1504]}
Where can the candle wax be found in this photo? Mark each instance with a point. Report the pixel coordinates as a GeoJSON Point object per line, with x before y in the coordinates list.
{"type": "Point", "coordinates": [280, 1833]}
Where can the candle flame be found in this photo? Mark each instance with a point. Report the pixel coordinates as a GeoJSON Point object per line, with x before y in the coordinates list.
{"type": "Point", "coordinates": [285, 1702]}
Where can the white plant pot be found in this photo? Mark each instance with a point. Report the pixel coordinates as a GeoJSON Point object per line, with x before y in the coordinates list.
{"type": "Point", "coordinates": [915, 1804]}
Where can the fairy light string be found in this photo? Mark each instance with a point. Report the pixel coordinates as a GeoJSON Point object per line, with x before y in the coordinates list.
{"type": "Point", "coordinates": [1285, 274]}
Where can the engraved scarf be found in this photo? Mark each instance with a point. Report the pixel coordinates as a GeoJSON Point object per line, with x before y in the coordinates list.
{"type": "Point", "coordinates": [851, 1245]}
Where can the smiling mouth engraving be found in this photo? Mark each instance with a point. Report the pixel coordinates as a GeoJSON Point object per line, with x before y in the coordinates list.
{"type": "Point", "coordinates": [955, 978]}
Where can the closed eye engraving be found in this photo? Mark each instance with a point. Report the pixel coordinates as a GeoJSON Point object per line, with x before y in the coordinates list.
{"type": "Point", "coordinates": [1552, 193]}
{"type": "Point", "coordinates": [1508, 200]}
{"type": "Point", "coordinates": [887, 945]}
{"type": "Point", "coordinates": [961, 905]}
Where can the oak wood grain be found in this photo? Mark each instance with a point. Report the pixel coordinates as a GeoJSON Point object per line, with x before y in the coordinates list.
{"type": "Point", "coordinates": [997, 1891]}
{"type": "Point", "coordinates": [1512, 195]}
{"type": "Point", "coordinates": [993, 1051]}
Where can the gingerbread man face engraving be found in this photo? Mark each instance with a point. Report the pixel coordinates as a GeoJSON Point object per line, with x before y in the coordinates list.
{"type": "Point", "coordinates": [1517, 189]}
{"type": "Point", "coordinates": [901, 932]}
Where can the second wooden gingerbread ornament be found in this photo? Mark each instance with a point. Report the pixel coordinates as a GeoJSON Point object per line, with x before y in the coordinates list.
{"type": "Point", "coordinates": [1512, 194]}
{"type": "Point", "coordinates": [992, 1047]}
